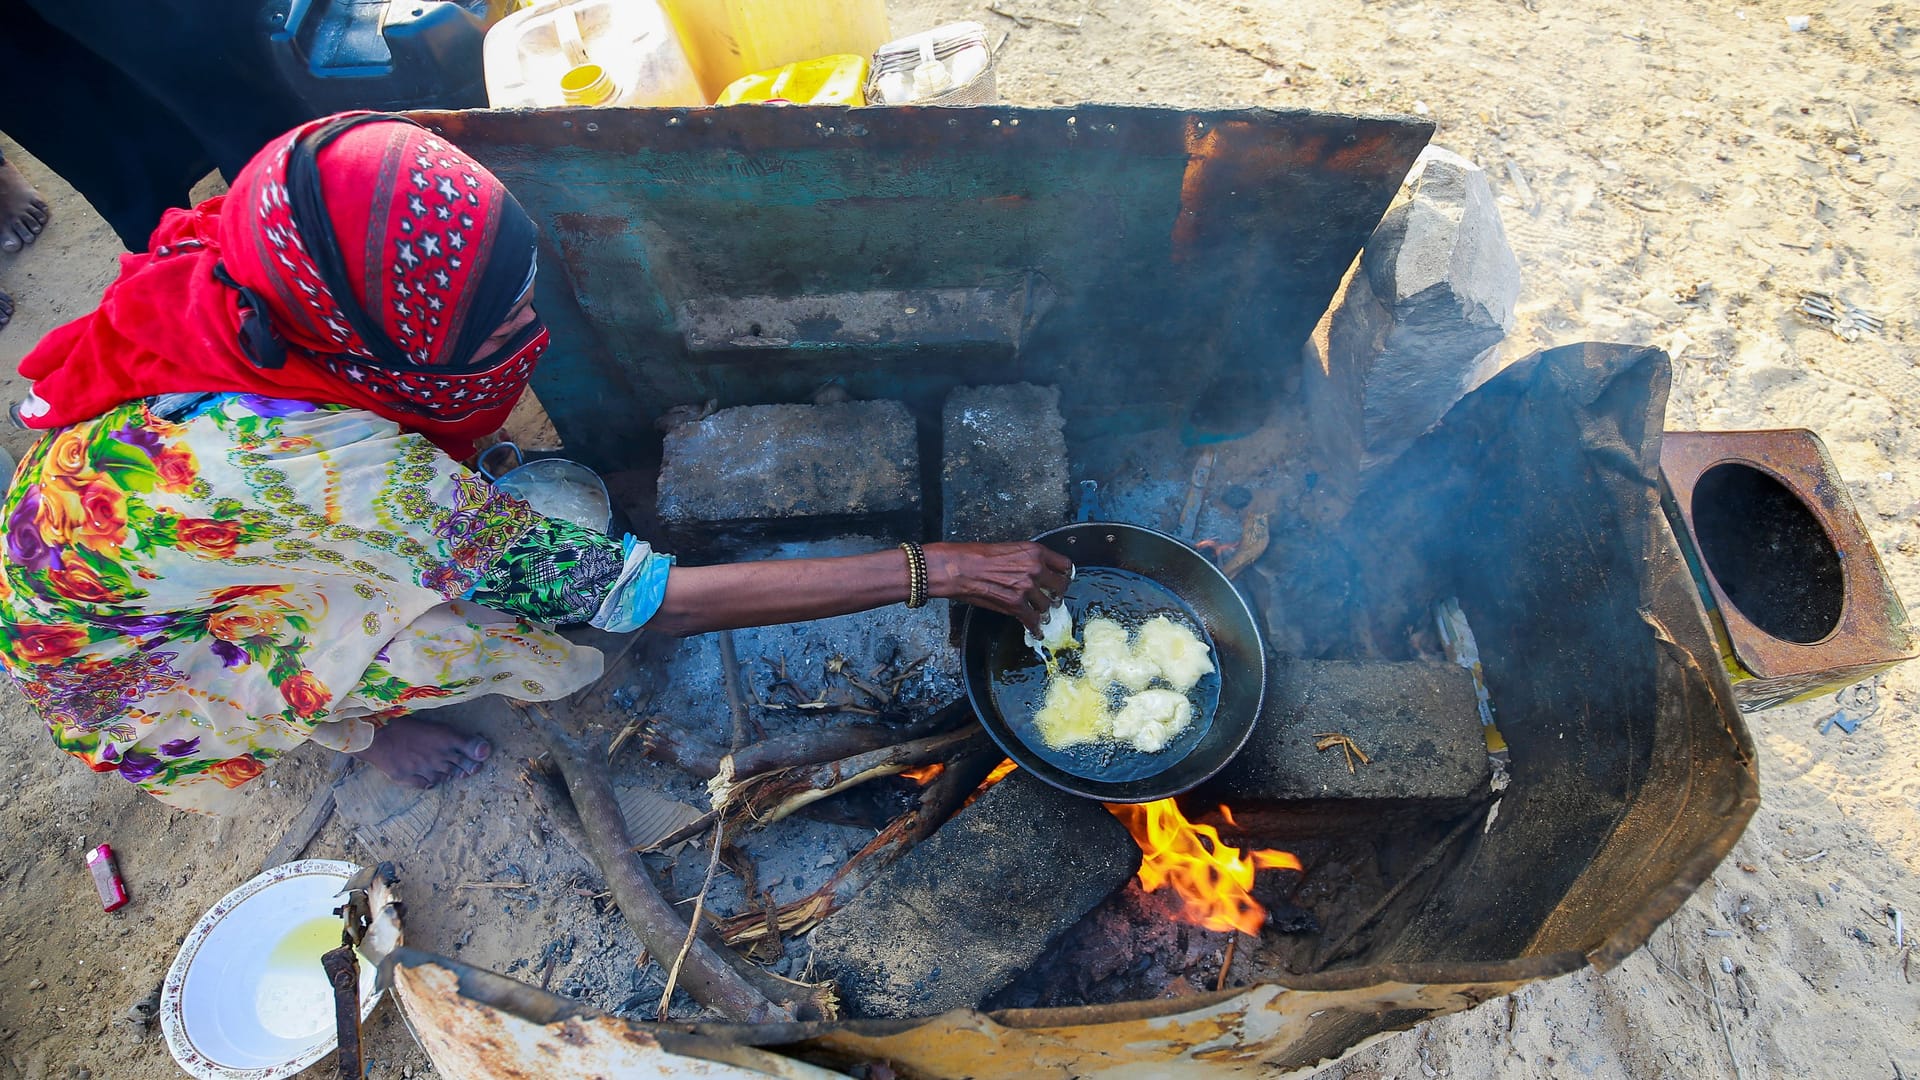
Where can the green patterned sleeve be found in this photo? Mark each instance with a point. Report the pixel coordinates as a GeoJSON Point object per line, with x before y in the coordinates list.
{"type": "Point", "coordinates": [473, 541]}
{"type": "Point", "coordinates": [555, 572]}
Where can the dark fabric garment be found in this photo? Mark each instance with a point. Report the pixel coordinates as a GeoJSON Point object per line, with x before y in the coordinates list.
{"type": "Point", "coordinates": [122, 151]}
{"type": "Point", "coordinates": [133, 101]}
{"type": "Point", "coordinates": [203, 61]}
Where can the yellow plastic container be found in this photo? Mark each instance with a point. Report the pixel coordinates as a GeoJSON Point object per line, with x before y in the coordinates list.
{"type": "Point", "coordinates": [729, 39]}
{"type": "Point", "coordinates": [828, 80]}
{"type": "Point", "coordinates": [588, 52]}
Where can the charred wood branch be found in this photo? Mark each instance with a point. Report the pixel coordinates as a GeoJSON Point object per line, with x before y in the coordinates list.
{"type": "Point", "coordinates": [665, 741]}
{"type": "Point", "coordinates": [768, 797]}
{"type": "Point", "coordinates": [342, 966]}
{"type": "Point", "coordinates": [941, 799]}
{"type": "Point", "coordinates": [707, 973]}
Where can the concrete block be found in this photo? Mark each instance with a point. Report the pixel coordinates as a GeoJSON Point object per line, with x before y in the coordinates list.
{"type": "Point", "coordinates": [773, 470]}
{"type": "Point", "coordinates": [1004, 463]}
{"type": "Point", "coordinates": [1414, 325]}
{"type": "Point", "coordinates": [975, 904]}
{"type": "Point", "coordinates": [1418, 723]}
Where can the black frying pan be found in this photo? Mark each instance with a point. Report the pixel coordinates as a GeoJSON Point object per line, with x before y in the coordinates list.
{"type": "Point", "coordinates": [996, 656]}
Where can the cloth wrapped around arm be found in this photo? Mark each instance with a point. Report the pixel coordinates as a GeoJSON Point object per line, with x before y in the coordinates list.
{"type": "Point", "coordinates": [560, 573]}
{"type": "Point", "coordinates": [497, 551]}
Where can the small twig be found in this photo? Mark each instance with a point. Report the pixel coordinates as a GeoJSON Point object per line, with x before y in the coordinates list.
{"type": "Point", "coordinates": [736, 700]}
{"type": "Point", "coordinates": [1427, 862]}
{"type": "Point", "coordinates": [1020, 21]}
{"type": "Point", "coordinates": [1738, 1073]}
{"type": "Point", "coordinates": [1226, 962]}
{"type": "Point", "coordinates": [1671, 970]}
{"type": "Point", "coordinates": [1223, 43]}
{"type": "Point", "coordinates": [693, 924]}
{"type": "Point", "coordinates": [737, 705]}
{"type": "Point", "coordinates": [1327, 740]}
{"type": "Point", "coordinates": [492, 885]}
{"type": "Point", "coordinates": [632, 728]}
{"type": "Point", "coordinates": [1025, 22]}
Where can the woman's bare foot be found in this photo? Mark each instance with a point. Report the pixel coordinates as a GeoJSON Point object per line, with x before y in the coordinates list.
{"type": "Point", "coordinates": [420, 753]}
{"type": "Point", "coordinates": [23, 213]}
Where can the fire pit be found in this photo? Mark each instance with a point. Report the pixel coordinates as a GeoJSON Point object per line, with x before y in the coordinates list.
{"type": "Point", "coordinates": [1404, 836]}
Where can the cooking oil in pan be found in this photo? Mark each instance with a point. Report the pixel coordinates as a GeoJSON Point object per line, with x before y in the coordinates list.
{"type": "Point", "coordinates": [1020, 677]}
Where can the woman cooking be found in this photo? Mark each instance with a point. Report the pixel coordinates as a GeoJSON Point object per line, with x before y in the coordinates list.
{"type": "Point", "coordinates": [248, 526]}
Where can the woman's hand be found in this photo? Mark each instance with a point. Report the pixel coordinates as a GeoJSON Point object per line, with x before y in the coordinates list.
{"type": "Point", "coordinates": [1022, 580]}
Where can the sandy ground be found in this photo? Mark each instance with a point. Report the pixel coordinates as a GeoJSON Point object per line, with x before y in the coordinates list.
{"type": "Point", "coordinates": [1675, 176]}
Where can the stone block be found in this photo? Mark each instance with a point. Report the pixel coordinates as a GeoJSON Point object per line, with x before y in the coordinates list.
{"type": "Point", "coordinates": [793, 470]}
{"type": "Point", "coordinates": [1418, 723]}
{"type": "Point", "coordinates": [976, 903]}
{"type": "Point", "coordinates": [1414, 325]}
{"type": "Point", "coordinates": [1004, 463]}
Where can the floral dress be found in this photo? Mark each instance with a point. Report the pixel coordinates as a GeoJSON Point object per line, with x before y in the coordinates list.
{"type": "Point", "coordinates": [192, 588]}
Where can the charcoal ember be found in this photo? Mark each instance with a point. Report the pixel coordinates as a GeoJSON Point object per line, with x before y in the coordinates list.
{"type": "Point", "coordinates": [1286, 918]}
{"type": "Point", "coordinates": [1128, 949]}
{"type": "Point", "coordinates": [973, 906]}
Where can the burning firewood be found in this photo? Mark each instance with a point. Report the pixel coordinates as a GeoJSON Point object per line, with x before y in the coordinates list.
{"type": "Point", "coordinates": [766, 798]}
{"type": "Point", "coordinates": [942, 797]}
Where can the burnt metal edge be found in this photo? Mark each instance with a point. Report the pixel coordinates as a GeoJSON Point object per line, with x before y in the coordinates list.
{"type": "Point", "coordinates": [1458, 975]}
{"type": "Point", "coordinates": [536, 1006]}
{"type": "Point", "coordinates": [1702, 659]}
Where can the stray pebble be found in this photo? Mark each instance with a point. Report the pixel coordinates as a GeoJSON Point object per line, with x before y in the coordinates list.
{"type": "Point", "coordinates": [36, 985]}
{"type": "Point", "coordinates": [1799, 23]}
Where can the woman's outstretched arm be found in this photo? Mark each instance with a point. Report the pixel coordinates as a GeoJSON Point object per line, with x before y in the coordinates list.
{"type": "Point", "coordinates": [1021, 580]}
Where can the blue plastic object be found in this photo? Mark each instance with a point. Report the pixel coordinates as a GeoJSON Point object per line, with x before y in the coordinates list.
{"type": "Point", "coordinates": [381, 54]}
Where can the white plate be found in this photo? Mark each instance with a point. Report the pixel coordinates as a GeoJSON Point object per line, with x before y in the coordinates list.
{"type": "Point", "coordinates": [245, 998]}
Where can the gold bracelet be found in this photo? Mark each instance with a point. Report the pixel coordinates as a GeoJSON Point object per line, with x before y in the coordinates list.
{"type": "Point", "coordinates": [916, 574]}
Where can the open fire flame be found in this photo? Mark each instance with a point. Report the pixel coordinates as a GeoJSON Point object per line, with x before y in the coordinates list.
{"type": "Point", "coordinates": [924, 774]}
{"type": "Point", "coordinates": [1213, 879]}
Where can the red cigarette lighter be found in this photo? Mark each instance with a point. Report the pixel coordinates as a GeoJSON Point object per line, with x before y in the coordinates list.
{"type": "Point", "coordinates": [106, 878]}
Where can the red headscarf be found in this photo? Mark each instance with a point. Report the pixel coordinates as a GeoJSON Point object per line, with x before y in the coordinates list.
{"type": "Point", "coordinates": [429, 248]}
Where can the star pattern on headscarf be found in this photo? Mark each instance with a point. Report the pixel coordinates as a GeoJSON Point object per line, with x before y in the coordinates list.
{"type": "Point", "coordinates": [425, 224]}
